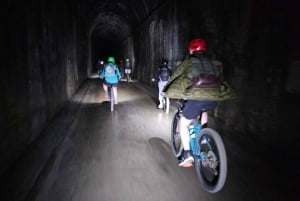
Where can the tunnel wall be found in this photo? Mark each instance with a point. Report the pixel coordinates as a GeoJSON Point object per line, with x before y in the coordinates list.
{"type": "Point", "coordinates": [242, 35]}
{"type": "Point", "coordinates": [43, 65]}
{"type": "Point", "coordinates": [156, 39]}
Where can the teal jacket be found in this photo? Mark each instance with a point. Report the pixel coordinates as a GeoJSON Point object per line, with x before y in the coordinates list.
{"type": "Point", "coordinates": [110, 73]}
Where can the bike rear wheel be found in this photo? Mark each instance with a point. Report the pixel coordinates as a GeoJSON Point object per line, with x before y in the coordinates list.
{"type": "Point", "coordinates": [112, 99]}
{"type": "Point", "coordinates": [176, 144]}
{"type": "Point", "coordinates": [211, 169]}
{"type": "Point", "coordinates": [166, 104]}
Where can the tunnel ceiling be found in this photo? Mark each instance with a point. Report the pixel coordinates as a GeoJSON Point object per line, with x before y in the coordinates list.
{"type": "Point", "coordinates": [116, 19]}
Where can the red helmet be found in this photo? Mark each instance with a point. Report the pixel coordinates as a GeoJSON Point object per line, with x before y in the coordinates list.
{"type": "Point", "coordinates": [197, 44]}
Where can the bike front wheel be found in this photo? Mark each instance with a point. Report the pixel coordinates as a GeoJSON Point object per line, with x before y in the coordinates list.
{"type": "Point", "coordinates": [211, 166]}
{"type": "Point", "coordinates": [176, 144]}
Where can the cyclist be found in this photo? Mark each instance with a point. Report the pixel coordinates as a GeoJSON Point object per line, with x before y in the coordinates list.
{"type": "Point", "coordinates": [111, 76]}
{"type": "Point", "coordinates": [121, 67]}
{"type": "Point", "coordinates": [128, 68]}
{"type": "Point", "coordinates": [162, 75]}
{"type": "Point", "coordinates": [184, 83]}
{"type": "Point", "coordinates": [99, 66]}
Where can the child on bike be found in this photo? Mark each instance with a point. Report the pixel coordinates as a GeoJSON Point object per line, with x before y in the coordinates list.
{"type": "Point", "coordinates": [187, 83]}
{"type": "Point", "coordinates": [111, 76]}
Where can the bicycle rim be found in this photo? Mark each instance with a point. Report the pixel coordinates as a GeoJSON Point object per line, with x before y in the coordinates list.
{"type": "Point", "coordinates": [176, 144]}
{"type": "Point", "coordinates": [211, 169]}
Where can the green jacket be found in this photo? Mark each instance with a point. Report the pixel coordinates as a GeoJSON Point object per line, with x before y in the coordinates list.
{"type": "Point", "coordinates": [180, 86]}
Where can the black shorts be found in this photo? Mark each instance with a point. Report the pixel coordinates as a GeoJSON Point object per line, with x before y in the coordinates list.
{"type": "Point", "coordinates": [111, 84]}
{"type": "Point", "coordinates": [193, 108]}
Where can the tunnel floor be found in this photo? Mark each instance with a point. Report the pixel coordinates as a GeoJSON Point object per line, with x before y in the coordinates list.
{"type": "Point", "coordinates": [90, 153]}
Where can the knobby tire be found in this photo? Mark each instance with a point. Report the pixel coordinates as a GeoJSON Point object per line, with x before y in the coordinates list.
{"type": "Point", "coordinates": [177, 148]}
{"type": "Point", "coordinates": [213, 183]}
{"type": "Point", "coordinates": [112, 99]}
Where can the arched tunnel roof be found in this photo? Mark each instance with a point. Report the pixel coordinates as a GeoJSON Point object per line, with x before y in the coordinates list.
{"type": "Point", "coordinates": [112, 21]}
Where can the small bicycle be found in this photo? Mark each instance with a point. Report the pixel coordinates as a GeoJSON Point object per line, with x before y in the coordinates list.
{"type": "Point", "coordinates": [207, 149]}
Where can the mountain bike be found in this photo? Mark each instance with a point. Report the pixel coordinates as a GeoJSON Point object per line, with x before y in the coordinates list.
{"type": "Point", "coordinates": [207, 149]}
{"type": "Point", "coordinates": [111, 96]}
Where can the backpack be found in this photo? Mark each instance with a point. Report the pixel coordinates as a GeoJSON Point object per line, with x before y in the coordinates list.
{"type": "Point", "coordinates": [204, 73]}
{"type": "Point", "coordinates": [164, 73]}
{"type": "Point", "coordinates": [127, 65]}
{"type": "Point", "coordinates": [110, 70]}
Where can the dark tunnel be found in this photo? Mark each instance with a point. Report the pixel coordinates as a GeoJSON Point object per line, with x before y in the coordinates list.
{"type": "Point", "coordinates": [50, 49]}
{"type": "Point", "coordinates": [114, 24]}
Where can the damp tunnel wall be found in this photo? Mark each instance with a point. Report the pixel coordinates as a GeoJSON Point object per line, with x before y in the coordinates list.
{"type": "Point", "coordinates": [44, 63]}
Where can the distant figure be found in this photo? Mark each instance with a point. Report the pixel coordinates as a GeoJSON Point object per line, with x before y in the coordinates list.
{"type": "Point", "coordinates": [99, 65]}
{"type": "Point", "coordinates": [121, 67]}
{"type": "Point", "coordinates": [128, 69]}
{"type": "Point", "coordinates": [162, 75]}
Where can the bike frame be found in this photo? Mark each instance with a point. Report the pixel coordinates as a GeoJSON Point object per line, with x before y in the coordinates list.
{"type": "Point", "coordinates": [194, 144]}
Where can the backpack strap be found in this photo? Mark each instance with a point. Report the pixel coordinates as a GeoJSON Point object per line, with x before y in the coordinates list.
{"type": "Point", "coordinates": [204, 73]}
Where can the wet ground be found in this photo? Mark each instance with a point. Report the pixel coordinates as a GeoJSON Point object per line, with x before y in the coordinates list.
{"type": "Point", "coordinates": [88, 153]}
